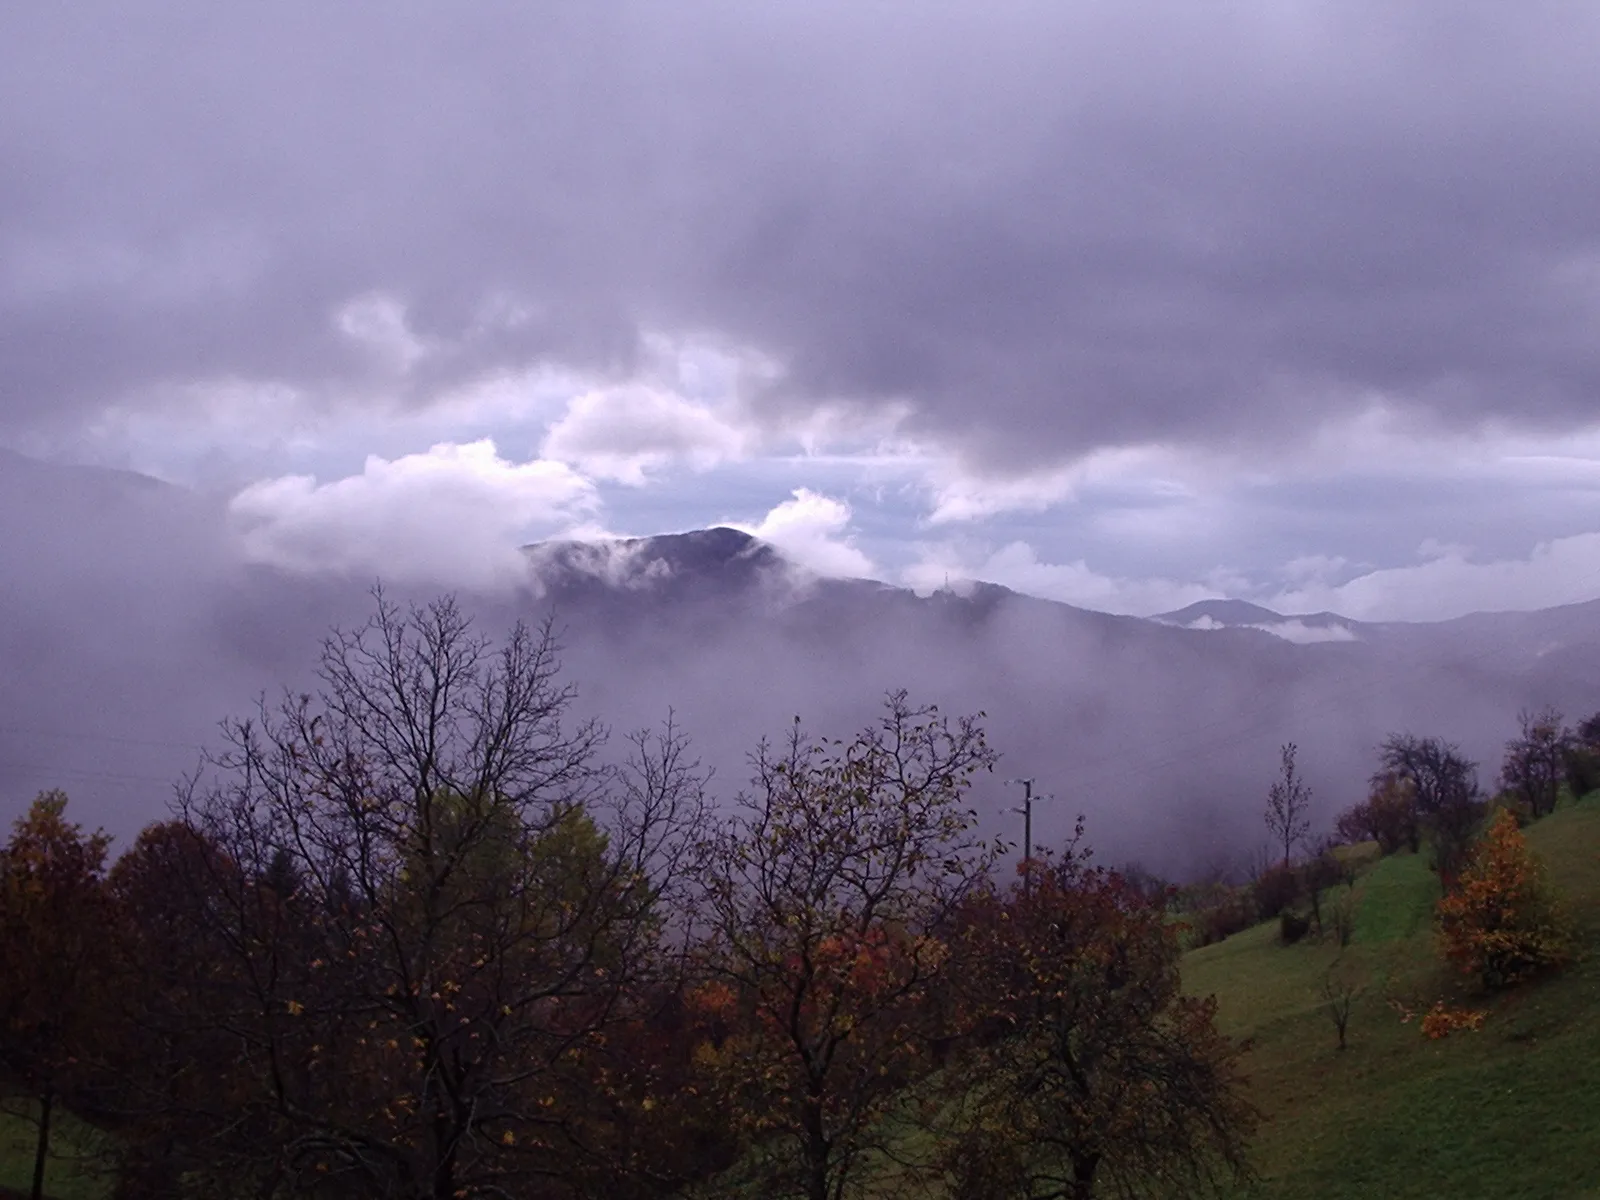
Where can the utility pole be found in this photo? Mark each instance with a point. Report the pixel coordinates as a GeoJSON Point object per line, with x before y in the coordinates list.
{"type": "Point", "coordinates": [1027, 818]}
{"type": "Point", "coordinates": [1027, 825]}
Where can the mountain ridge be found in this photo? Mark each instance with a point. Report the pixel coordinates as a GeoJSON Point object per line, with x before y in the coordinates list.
{"type": "Point", "coordinates": [126, 641]}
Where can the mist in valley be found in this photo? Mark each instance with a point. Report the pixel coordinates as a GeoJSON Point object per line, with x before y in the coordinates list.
{"type": "Point", "coordinates": [133, 625]}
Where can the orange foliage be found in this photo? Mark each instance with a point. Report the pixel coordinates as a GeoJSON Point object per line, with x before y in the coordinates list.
{"type": "Point", "coordinates": [1441, 1021]}
{"type": "Point", "coordinates": [1501, 922]}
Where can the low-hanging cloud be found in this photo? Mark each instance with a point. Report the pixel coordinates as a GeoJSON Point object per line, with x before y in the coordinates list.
{"type": "Point", "coordinates": [1017, 566]}
{"type": "Point", "coordinates": [1451, 583]}
{"type": "Point", "coordinates": [813, 531]}
{"type": "Point", "coordinates": [625, 433]}
{"type": "Point", "coordinates": [453, 516]}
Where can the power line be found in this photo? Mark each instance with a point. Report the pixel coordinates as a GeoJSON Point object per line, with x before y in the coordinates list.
{"type": "Point", "coordinates": [81, 773]}
{"type": "Point", "coordinates": [84, 736]}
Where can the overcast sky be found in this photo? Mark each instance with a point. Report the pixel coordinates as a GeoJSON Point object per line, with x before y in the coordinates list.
{"type": "Point", "coordinates": [1121, 304]}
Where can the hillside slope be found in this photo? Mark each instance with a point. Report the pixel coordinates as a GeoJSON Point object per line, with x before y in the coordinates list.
{"type": "Point", "coordinates": [1511, 1110]}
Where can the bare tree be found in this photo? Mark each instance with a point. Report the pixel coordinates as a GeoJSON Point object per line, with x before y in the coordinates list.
{"type": "Point", "coordinates": [1288, 805]}
{"type": "Point", "coordinates": [823, 896]}
{"type": "Point", "coordinates": [1535, 763]}
{"type": "Point", "coordinates": [1341, 987]}
{"type": "Point", "coordinates": [1443, 782]}
{"type": "Point", "coordinates": [431, 901]}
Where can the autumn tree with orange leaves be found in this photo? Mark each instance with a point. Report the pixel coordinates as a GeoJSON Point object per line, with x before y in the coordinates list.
{"type": "Point", "coordinates": [1502, 922]}
{"type": "Point", "coordinates": [1094, 1074]}
{"type": "Point", "coordinates": [822, 898]}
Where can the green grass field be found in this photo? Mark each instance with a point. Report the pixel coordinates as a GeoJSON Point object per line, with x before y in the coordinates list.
{"type": "Point", "coordinates": [1511, 1110]}
{"type": "Point", "coordinates": [65, 1176]}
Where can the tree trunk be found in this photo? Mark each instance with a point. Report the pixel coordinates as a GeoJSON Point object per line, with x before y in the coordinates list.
{"type": "Point", "coordinates": [1083, 1169]}
{"type": "Point", "coordinates": [444, 1167]}
{"type": "Point", "coordinates": [42, 1149]}
{"type": "Point", "coordinates": [816, 1152]}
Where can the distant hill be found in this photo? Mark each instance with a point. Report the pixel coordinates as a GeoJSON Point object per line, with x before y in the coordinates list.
{"type": "Point", "coordinates": [1241, 614]}
{"type": "Point", "coordinates": [128, 628]}
{"type": "Point", "coordinates": [1223, 612]}
{"type": "Point", "coordinates": [1164, 730]}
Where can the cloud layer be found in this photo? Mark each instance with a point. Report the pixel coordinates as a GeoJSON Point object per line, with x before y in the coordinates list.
{"type": "Point", "coordinates": [1121, 304]}
{"type": "Point", "coordinates": [813, 531]}
{"type": "Point", "coordinates": [1050, 228]}
{"type": "Point", "coordinates": [625, 433]}
{"type": "Point", "coordinates": [454, 516]}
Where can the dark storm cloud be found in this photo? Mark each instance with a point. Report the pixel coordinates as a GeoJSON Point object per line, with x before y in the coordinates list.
{"type": "Point", "coordinates": [1050, 226]}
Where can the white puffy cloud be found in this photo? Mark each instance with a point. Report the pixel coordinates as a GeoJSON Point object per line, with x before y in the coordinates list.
{"type": "Point", "coordinates": [1449, 584]}
{"type": "Point", "coordinates": [813, 530]}
{"type": "Point", "coordinates": [1017, 566]}
{"type": "Point", "coordinates": [624, 433]}
{"type": "Point", "coordinates": [454, 515]}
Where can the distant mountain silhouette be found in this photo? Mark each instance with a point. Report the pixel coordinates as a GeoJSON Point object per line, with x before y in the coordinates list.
{"type": "Point", "coordinates": [1224, 612]}
{"type": "Point", "coordinates": [701, 562]}
{"type": "Point", "coordinates": [127, 628]}
{"type": "Point", "coordinates": [1236, 614]}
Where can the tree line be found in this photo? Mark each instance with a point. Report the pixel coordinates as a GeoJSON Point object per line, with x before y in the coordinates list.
{"type": "Point", "coordinates": [1424, 797]}
{"type": "Point", "coordinates": [416, 936]}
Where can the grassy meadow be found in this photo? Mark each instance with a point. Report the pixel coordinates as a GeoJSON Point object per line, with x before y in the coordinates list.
{"type": "Point", "coordinates": [68, 1174]}
{"type": "Point", "coordinates": [1510, 1110]}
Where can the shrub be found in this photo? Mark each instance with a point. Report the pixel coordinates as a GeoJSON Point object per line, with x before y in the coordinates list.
{"type": "Point", "coordinates": [1582, 770]}
{"type": "Point", "coordinates": [1232, 914]}
{"type": "Point", "coordinates": [1292, 927]}
{"type": "Point", "coordinates": [1342, 919]}
{"type": "Point", "coordinates": [1510, 802]}
{"type": "Point", "coordinates": [1441, 1021]}
{"type": "Point", "coordinates": [1502, 923]}
{"type": "Point", "coordinates": [1320, 872]}
{"type": "Point", "coordinates": [1353, 826]}
{"type": "Point", "coordinates": [1387, 816]}
{"type": "Point", "coordinates": [1274, 890]}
